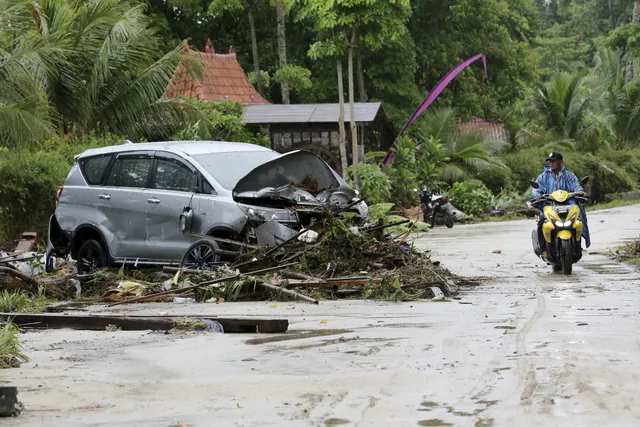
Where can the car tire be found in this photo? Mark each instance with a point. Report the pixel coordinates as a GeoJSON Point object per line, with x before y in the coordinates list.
{"type": "Point", "coordinates": [201, 256]}
{"type": "Point", "coordinates": [91, 257]}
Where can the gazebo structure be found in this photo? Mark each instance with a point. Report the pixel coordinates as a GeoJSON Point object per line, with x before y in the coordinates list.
{"type": "Point", "coordinates": [314, 127]}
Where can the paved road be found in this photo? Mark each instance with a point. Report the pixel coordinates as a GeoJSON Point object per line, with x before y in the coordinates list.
{"type": "Point", "coordinates": [527, 348]}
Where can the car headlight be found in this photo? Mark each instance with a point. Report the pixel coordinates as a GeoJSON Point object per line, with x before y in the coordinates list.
{"type": "Point", "coordinates": [262, 215]}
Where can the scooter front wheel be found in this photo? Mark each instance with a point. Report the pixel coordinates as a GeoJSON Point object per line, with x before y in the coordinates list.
{"type": "Point", "coordinates": [448, 220]}
{"type": "Point", "coordinates": [567, 257]}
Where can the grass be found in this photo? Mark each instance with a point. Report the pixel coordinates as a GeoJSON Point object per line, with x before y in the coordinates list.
{"type": "Point", "coordinates": [613, 204]}
{"type": "Point", "coordinates": [10, 348]}
{"type": "Point", "coordinates": [22, 302]}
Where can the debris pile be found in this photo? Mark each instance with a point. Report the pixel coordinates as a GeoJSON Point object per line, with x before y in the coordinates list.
{"type": "Point", "coordinates": [332, 258]}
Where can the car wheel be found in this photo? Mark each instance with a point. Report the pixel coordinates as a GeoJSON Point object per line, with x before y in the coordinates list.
{"type": "Point", "coordinates": [91, 257]}
{"type": "Point", "coordinates": [201, 256]}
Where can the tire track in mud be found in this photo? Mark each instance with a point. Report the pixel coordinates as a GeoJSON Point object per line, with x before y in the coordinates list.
{"type": "Point", "coordinates": [526, 371]}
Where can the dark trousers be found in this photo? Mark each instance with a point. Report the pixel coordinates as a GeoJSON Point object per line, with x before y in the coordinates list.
{"type": "Point", "coordinates": [541, 242]}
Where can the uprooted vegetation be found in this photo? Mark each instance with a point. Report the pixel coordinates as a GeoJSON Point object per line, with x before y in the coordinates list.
{"type": "Point", "coordinates": [344, 261]}
{"type": "Point", "coordinates": [629, 252]}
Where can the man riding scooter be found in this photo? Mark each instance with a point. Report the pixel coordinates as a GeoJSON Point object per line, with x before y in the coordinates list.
{"type": "Point", "coordinates": [557, 177]}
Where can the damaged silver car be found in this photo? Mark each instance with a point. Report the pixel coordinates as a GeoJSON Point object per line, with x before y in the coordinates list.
{"type": "Point", "coordinates": [152, 203]}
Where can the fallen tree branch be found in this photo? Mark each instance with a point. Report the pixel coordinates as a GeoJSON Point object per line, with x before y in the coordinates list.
{"type": "Point", "coordinates": [207, 283]}
{"type": "Point", "coordinates": [288, 292]}
{"type": "Point", "coordinates": [13, 273]}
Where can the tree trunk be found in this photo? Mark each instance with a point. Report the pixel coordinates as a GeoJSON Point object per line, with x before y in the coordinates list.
{"type": "Point", "coordinates": [352, 109]}
{"type": "Point", "coordinates": [361, 87]}
{"type": "Point", "coordinates": [612, 15]}
{"type": "Point", "coordinates": [282, 49]}
{"type": "Point", "coordinates": [343, 136]}
{"type": "Point", "coordinates": [254, 49]}
{"type": "Point", "coordinates": [636, 21]}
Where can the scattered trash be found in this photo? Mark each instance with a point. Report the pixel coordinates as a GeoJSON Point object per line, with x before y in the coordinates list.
{"type": "Point", "coordinates": [497, 251]}
{"type": "Point", "coordinates": [10, 406]}
{"type": "Point", "coordinates": [323, 322]}
{"type": "Point", "coordinates": [213, 326]}
{"type": "Point", "coordinates": [112, 328]}
{"type": "Point", "coordinates": [180, 300]}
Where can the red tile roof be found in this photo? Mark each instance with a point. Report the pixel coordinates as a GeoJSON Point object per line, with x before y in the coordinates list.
{"type": "Point", "coordinates": [223, 79]}
{"type": "Point", "coordinates": [486, 128]}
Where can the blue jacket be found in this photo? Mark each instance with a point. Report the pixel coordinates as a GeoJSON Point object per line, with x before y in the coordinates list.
{"type": "Point", "coordinates": [549, 182]}
{"type": "Point", "coordinates": [565, 180]}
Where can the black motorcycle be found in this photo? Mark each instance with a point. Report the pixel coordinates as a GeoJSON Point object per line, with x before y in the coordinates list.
{"type": "Point", "coordinates": [435, 206]}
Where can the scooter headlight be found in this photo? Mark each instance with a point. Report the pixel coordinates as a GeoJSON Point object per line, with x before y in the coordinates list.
{"type": "Point", "coordinates": [565, 224]}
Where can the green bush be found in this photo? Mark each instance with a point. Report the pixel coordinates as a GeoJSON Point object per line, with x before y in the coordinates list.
{"type": "Point", "coordinates": [472, 196]}
{"type": "Point", "coordinates": [402, 173]}
{"type": "Point", "coordinates": [28, 184]}
{"type": "Point", "coordinates": [374, 184]}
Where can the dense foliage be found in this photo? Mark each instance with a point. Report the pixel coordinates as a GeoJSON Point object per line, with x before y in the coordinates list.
{"type": "Point", "coordinates": [563, 75]}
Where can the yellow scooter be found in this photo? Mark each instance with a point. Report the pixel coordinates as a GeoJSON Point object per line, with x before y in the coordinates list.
{"type": "Point", "coordinates": [562, 229]}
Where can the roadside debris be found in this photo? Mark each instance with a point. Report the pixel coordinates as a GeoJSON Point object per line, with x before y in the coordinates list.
{"type": "Point", "coordinates": [9, 404]}
{"type": "Point", "coordinates": [335, 256]}
{"type": "Point", "coordinates": [141, 323]}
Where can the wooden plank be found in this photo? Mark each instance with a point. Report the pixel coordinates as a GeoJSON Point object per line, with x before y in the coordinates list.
{"type": "Point", "coordinates": [130, 323]}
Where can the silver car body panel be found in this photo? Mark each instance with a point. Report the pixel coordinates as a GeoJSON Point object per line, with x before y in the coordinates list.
{"type": "Point", "coordinates": [141, 225]}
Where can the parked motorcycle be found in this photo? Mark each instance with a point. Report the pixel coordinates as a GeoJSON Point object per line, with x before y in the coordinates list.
{"type": "Point", "coordinates": [435, 206]}
{"type": "Point", "coordinates": [562, 229]}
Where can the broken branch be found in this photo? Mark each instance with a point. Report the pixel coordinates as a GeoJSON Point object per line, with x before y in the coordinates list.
{"type": "Point", "coordinates": [288, 292]}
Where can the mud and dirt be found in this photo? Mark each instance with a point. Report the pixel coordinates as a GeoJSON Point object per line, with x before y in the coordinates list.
{"type": "Point", "coordinates": [525, 347]}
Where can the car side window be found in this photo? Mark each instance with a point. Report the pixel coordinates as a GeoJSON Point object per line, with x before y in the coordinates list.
{"type": "Point", "coordinates": [93, 168]}
{"type": "Point", "coordinates": [130, 172]}
{"type": "Point", "coordinates": [173, 175]}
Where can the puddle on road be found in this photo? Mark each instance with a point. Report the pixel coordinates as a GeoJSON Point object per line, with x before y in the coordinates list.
{"type": "Point", "coordinates": [433, 422]}
{"type": "Point", "coordinates": [336, 421]}
{"type": "Point", "coordinates": [609, 269]}
{"type": "Point", "coordinates": [297, 335]}
{"type": "Point", "coordinates": [429, 404]}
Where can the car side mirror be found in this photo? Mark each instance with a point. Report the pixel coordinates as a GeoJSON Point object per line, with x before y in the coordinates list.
{"type": "Point", "coordinates": [584, 180]}
{"type": "Point", "coordinates": [534, 184]}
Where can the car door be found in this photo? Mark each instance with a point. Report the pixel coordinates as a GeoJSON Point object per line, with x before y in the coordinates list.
{"type": "Point", "coordinates": [174, 182]}
{"type": "Point", "coordinates": [123, 201]}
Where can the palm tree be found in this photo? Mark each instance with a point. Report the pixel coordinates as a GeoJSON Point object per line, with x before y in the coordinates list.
{"type": "Point", "coordinates": [452, 156]}
{"type": "Point", "coordinates": [97, 65]}
{"type": "Point", "coordinates": [563, 104]}
{"type": "Point", "coordinates": [619, 100]}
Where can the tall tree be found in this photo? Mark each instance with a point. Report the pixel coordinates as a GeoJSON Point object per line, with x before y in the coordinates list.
{"type": "Point", "coordinates": [374, 22]}
{"type": "Point", "coordinates": [95, 63]}
{"type": "Point", "coordinates": [236, 6]}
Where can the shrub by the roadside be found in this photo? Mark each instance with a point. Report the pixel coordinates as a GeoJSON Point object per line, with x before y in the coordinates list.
{"type": "Point", "coordinates": [28, 184]}
{"type": "Point", "coordinates": [374, 184]}
{"type": "Point", "coordinates": [472, 196]}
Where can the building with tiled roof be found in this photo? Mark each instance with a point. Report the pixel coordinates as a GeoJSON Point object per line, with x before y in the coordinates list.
{"type": "Point", "coordinates": [223, 79]}
{"type": "Point", "coordinates": [486, 128]}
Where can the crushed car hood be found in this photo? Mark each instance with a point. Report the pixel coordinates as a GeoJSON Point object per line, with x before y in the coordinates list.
{"type": "Point", "coordinates": [297, 177]}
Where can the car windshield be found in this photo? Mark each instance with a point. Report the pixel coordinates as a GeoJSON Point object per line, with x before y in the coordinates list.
{"type": "Point", "coordinates": [228, 168]}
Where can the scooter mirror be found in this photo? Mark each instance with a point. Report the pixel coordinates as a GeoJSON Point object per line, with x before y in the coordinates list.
{"type": "Point", "coordinates": [584, 180]}
{"type": "Point", "coordinates": [534, 184]}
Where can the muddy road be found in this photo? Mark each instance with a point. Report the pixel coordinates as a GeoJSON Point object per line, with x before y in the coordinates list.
{"type": "Point", "coordinates": [525, 347]}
